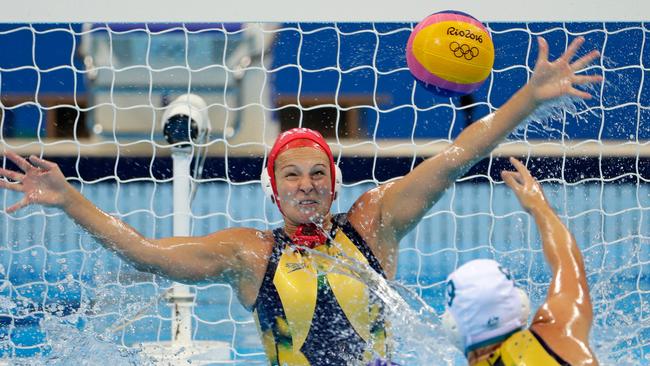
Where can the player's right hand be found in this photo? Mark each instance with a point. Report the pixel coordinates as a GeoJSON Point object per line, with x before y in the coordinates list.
{"type": "Point", "coordinates": [526, 188]}
{"type": "Point", "coordinates": [554, 79]}
{"type": "Point", "coordinates": [41, 182]}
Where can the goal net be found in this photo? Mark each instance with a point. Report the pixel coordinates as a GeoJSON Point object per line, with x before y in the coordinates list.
{"type": "Point", "coordinates": [90, 97]}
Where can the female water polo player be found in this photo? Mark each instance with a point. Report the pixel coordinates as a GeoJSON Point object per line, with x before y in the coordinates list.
{"type": "Point", "coordinates": [307, 315]}
{"type": "Point", "coordinates": [487, 315]}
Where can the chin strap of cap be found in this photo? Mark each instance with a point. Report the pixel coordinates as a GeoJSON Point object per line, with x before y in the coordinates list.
{"type": "Point", "coordinates": [309, 235]}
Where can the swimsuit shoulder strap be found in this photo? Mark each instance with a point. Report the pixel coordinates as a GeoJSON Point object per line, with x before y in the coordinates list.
{"type": "Point", "coordinates": [280, 240]}
{"type": "Point", "coordinates": [341, 221]}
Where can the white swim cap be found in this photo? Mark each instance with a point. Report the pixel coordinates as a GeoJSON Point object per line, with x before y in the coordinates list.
{"type": "Point", "coordinates": [483, 306]}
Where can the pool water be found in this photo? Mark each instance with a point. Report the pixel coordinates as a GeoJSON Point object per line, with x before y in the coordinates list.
{"type": "Point", "coordinates": [51, 269]}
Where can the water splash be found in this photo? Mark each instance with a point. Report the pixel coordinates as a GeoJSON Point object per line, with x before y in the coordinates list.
{"type": "Point", "coordinates": [417, 338]}
{"type": "Point", "coordinates": [89, 348]}
{"type": "Point", "coordinates": [68, 339]}
{"type": "Point", "coordinates": [549, 118]}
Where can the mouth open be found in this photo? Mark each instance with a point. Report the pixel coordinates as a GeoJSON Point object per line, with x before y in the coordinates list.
{"type": "Point", "coordinates": [307, 203]}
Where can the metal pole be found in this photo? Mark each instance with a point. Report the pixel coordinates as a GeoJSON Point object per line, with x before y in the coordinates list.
{"type": "Point", "coordinates": [181, 298]}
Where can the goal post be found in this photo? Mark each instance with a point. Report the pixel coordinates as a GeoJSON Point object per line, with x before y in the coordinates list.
{"type": "Point", "coordinates": [86, 85]}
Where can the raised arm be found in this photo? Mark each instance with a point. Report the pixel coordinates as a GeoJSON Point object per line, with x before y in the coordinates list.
{"type": "Point", "coordinates": [566, 315]}
{"type": "Point", "coordinates": [216, 257]}
{"type": "Point", "coordinates": [407, 200]}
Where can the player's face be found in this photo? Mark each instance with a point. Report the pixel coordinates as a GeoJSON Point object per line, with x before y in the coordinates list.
{"type": "Point", "coordinates": [304, 182]}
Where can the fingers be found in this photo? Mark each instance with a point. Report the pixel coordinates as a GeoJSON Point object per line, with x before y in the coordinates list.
{"type": "Point", "coordinates": [581, 80]}
{"type": "Point", "coordinates": [42, 163]}
{"type": "Point", "coordinates": [585, 60]}
{"type": "Point", "coordinates": [516, 180]}
{"type": "Point", "coordinates": [23, 164]}
{"type": "Point", "coordinates": [542, 53]}
{"type": "Point", "coordinates": [15, 176]}
{"type": "Point", "coordinates": [580, 94]}
{"type": "Point", "coordinates": [510, 178]}
{"type": "Point", "coordinates": [572, 49]}
{"type": "Point", "coordinates": [586, 79]}
{"type": "Point", "coordinates": [14, 187]}
{"type": "Point", "coordinates": [521, 168]}
{"type": "Point", "coordinates": [11, 186]}
{"type": "Point", "coordinates": [18, 205]}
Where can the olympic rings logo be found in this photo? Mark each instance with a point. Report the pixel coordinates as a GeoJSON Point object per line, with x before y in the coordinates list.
{"type": "Point", "coordinates": [463, 50]}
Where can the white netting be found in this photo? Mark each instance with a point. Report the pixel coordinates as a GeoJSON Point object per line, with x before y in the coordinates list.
{"type": "Point", "coordinates": [90, 97]}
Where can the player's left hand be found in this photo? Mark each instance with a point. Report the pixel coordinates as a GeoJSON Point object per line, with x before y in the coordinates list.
{"type": "Point", "coordinates": [524, 185]}
{"type": "Point", "coordinates": [40, 181]}
{"type": "Point", "coordinates": [551, 80]}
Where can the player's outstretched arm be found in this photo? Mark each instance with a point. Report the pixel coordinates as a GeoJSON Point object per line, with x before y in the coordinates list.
{"type": "Point", "coordinates": [566, 315]}
{"type": "Point", "coordinates": [195, 259]}
{"type": "Point", "coordinates": [408, 199]}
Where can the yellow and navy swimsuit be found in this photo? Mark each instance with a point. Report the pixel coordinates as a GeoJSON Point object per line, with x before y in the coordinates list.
{"type": "Point", "coordinates": [523, 348]}
{"type": "Point", "coordinates": [309, 311]}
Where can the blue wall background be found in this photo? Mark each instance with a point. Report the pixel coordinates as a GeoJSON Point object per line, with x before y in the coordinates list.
{"type": "Point", "coordinates": [49, 47]}
{"type": "Point", "coordinates": [626, 59]}
{"type": "Point", "coordinates": [343, 56]}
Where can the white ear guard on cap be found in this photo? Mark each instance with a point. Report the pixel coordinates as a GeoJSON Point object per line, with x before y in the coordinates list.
{"type": "Point", "coordinates": [265, 179]}
{"type": "Point", "coordinates": [266, 185]}
{"type": "Point", "coordinates": [456, 336]}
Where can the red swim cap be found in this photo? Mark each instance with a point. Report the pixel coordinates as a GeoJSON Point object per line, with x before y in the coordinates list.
{"type": "Point", "coordinates": [294, 138]}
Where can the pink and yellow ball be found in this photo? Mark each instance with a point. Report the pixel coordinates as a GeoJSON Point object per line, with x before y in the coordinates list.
{"type": "Point", "coordinates": [450, 53]}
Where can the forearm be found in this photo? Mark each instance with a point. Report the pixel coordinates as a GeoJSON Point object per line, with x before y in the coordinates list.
{"type": "Point", "coordinates": [482, 136]}
{"type": "Point", "coordinates": [558, 243]}
{"type": "Point", "coordinates": [418, 191]}
{"type": "Point", "coordinates": [109, 231]}
{"type": "Point", "coordinates": [411, 197]}
{"type": "Point", "coordinates": [568, 290]}
{"type": "Point", "coordinates": [428, 180]}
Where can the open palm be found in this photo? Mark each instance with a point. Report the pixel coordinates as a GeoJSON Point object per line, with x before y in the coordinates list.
{"type": "Point", "coordinates": [41, 182]}
{"type": "Point", "coordinates": [554, 79]}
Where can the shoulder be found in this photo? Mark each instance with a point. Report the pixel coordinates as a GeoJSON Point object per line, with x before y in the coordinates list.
{"type": "Point", "coordinates": [247, 244]}
{"type": "Point", "coordinates": [251, 258]}
{"type": "Point", "coordinates": [365, 213]}
{"type": "Point", "coordinates": [369, 203]}
{"type": "Point", "coordinates": [243, 235]}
